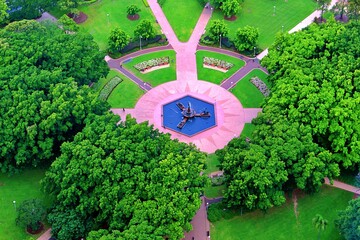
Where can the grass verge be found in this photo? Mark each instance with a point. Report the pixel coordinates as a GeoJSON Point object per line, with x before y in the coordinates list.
{"type": "Point", "coordinates": [212, 75]}
{"type": "Point", "coordinates": [182, 16]}
{"type": "Point", "coordinates": [105, 15]}
{"type": "Point", "coordinates": [247, 93]}
{"type": "Point", "coordinates": [156, 77]}
{"type": "Point", "coordinates": [125, 95]}
{"type": "Point", "coordinates": [19, 187]}
{"type": "Point", "coordinates": [281, 222]}
{"type": "Point", "coordinates": [248, 130]}
{"type": "Point", "coordinates": [260, 14]}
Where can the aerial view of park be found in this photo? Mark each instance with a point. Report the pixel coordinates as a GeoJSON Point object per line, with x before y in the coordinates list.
{"type": "Point", "coordinates": [188, 119]}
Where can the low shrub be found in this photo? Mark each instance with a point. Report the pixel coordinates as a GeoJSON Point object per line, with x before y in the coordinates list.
{"type": "Point", "coordinates": [109, 87]}
{"type": "Point", "coordinates": [217, 63]}
{"type": "Point", "coordinates": [152, 63]}
{"type": "Point", "coordinates": [260, 85]}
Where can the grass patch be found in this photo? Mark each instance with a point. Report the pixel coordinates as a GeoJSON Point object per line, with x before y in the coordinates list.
{"type": "Point", "coordinates": [215, 76]}
{"type": "Point", "coordinates": [214, 191]}
{"type": "Point", "coordinates": [259, 14]}
{"type": "Point", "coordinates": [280, 222]}
{"type": "Point", "coordinates": [19, 187]}
{"type": "Point", "coordinates": [156, 77]}
{"type": "Point", "coordinates": [247, 93]}
{"type": "Point", "coordinates": [248, 130]}
{"type": "Point", "coordinates": [125, 95]}
{"type": "Point", "coordinates": [105, 15]}
{"type": "Point", "coordinates": [182, 16]}
{"type": "Point", "coordinates": [212, 164]}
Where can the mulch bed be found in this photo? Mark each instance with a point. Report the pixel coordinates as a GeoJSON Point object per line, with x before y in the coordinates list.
{"type": "Point", "coordinates": [29, 230]}
{"type": "Point", "coordinates": [232, 18]}
{"type": "Point", "coordinates": [133, 17]}
{"type": "Point", "coordinates": [79, 19]}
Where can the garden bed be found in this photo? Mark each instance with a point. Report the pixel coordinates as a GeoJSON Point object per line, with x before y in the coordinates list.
{"type": "Point", "coordinates": [155, 68]}
{"type": "Point", "coordinates": [152, 64]}
{"type": "Point", "coordinates": [217, 64]}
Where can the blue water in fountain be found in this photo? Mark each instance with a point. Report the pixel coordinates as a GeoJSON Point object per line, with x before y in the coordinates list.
{"type": "Point", "coordinates": [172, 116]}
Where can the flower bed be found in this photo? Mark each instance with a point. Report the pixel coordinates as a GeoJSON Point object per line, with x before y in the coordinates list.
{"type": "Point", "coordinates": [152, 63]}
{"type": "Point", "coordinates": [217, 63]}
{"type": "Point", "coordinates": [109, 87]}
{"type": "Point", "coordinates": [260, 85]}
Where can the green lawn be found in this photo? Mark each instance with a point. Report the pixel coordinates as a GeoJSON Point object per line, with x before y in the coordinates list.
{"type": "Point", "coordinates": [156, 77]}
{"type": "Point", "coordinates": [105, 15]}
{"type": "Point", "coordinates": [182, 16]}
{"type": "Point", "coordinates": [212, 75]}
{"type": "Point", "coordinates": [259, 13]}
{"type": "Point", "coordinates": [18, 187]}
{"type": "Point", "coordinates": [247, 93]}
{"type": "Point", "coordinates": [214, 191]}
{"type": "Point", "coordinates": [280, 222]}
{"type": "Point", "coordinates": [125, 95]}
{"type": "Point", "coordinates": [212, 163]}
{"type": "Point", "coordinates": [248, 130]}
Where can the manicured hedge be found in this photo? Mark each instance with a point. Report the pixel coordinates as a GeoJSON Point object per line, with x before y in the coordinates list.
{"type": "Point", "coordinates": [109, 87]}
{"type": "Point", "coordinates": [144, 43]}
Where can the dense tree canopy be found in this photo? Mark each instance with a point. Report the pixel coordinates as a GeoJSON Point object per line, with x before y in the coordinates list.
{"type": "Point", "coordinates": [310, 122]}
{"type": "Point", "coordinates": [246, 38]}
{"type": "Point", "coordinates": [218, 28]}
{"type": "Point", "coordinates": [348, 221]}
{"type": "Point", "coordinates": [23, 9]}
{"type": "Point", "coordinates": [230, 7]}
{"type": "Point", "coordinates": [3, 11]}
{"type": "Point", "coordinates": [40, 104]}
{"type": "Point", "coordinates": [118, 39]}
{"type": "Point", "coordinates": [130, 178]}
{"type": "Point", "coordinates": [144, 29]}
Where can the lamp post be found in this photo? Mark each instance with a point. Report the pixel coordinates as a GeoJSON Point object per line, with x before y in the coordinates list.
{"type": "Point", "coordinates": [108, 18]}
{"type": "Point", "coordinates": [220, 40]}
{"type": "Point", "coordinates": [140, 41]}
{"type": "Point", "coordinates": [14, 202]}
{"type": "Point", "coordinates": [282, 28]}
{"type": "Point", "coordinates": [254, 51]}
{"type": "Point", "coordinates": [274, 10]}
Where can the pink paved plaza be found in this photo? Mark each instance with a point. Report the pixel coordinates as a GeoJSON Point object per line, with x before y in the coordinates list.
{"type": "Point", "coordinates": [230, 115]}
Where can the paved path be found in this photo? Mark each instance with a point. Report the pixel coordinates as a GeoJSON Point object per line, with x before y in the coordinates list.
{"type": "Point", "coordinates": [303, 24]}
{"type": "Point", "coordinates": [46, 235]}
{"type": "Point", "coordinates": [46, 16]}
{"type": "Point", "coordinates": [250, 64]}
{"type": "Point", "coordinates": [117, 64]}
{"type": "Point", "coordinates": [343, 186]}
{"type": "Point", "coordinates": [201, 226]}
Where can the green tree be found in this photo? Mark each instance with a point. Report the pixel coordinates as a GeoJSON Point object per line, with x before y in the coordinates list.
{"type": "Point", "coordinates": [340, 8]}
{"type": "Point", "coordinates": [28, 9]}
{"type": "Point", "coordinates": [218, 28]}
{"type": "Point", "coordinates": [128, 176]}
{"type": "Point", "coordinates": [3, 11]}
{"type": "Point", "coordinates": [132, 10]}
{"type": "Point", "coordinates": [30, 213]}
{"type": "Point", "coordinates": [230, 8]}
{"type": "Point", "coordinates": [246, 38]}
{"type": "Point", "coordinates": [40, 103]}
{"type": "Point", "coordinates": [309, 123]}
{"type": "Point", "coordinates": [320, 224]}
{"type": "Point", "coordinates": [144, 29]}
{"type": "Point", "coordinates": [323, 5]}
{"type": "Point", "coordinates": [348, 220]}
{"type": "Point", "coordinates": [118, 39]}
{"type": "Point", "coordinates": [68, 24]}
{"type": "Point", "coordinates": [354, 8]}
